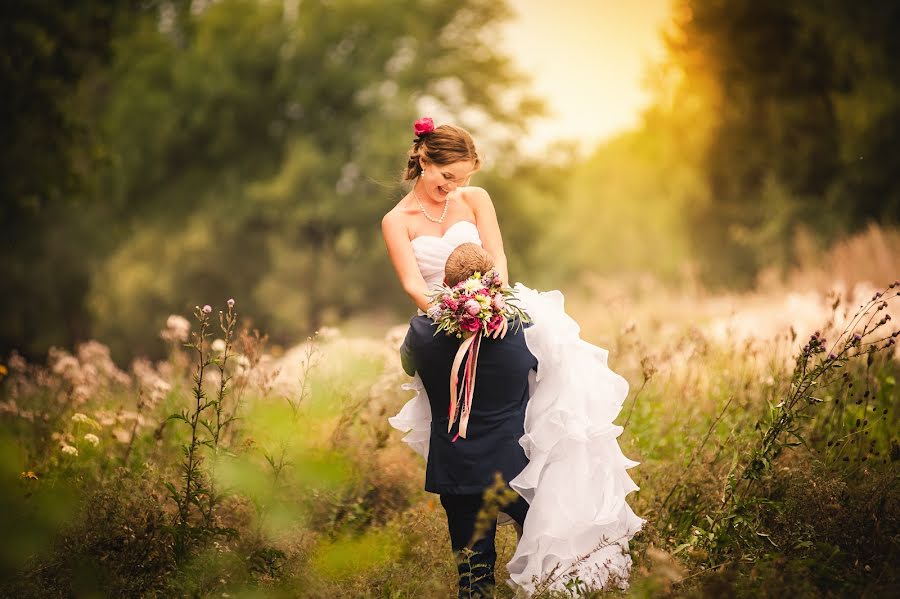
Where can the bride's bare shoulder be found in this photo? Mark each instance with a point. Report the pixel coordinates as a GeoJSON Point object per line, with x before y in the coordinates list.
{"type": "Point", "coordinates": [395, 219]}
{"type": "Point", "coordinates": [474, 196]}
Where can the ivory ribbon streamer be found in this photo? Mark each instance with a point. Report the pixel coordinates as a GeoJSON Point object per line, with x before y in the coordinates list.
{"type": "Point", "coordinates": [468, 386]}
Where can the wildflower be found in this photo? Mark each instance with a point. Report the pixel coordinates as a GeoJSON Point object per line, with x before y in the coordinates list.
{"type": "Point", "coordinates": [79, 418]}
{"type": "Point", "coordinates": [831, 356]}
{"type": "Point", "coordinates": [17, 362]}
{"type": "Point", "coordinates": [177, 329]}
{"type": "Point", "coordinates": [207, 309]}
{"type": "Point", "coordinates": [218, 345]}
{"type": "Point", "coordinates": [92, 439]}
{"type": "Point", "coordinates": [29, 474]}
{"type": "Point", "coordinates": [230, 303]}
{"type": "Point", "coordinates": [69, 450]}
{"type": "Point", "coordinates": [121, 435]}
{"type": "Point", "coordinates": [66, 365]}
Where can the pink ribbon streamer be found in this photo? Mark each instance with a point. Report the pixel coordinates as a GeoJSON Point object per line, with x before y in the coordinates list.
{"type": "Point", "coordinates": [468, 387]}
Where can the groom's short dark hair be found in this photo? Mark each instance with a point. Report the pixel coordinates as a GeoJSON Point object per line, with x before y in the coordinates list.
{"type": "Point", "coordinates": [465, 261]}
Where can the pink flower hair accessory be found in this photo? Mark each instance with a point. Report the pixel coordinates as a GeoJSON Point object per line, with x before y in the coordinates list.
{"type": "Point", "coordinates": [423, 126]}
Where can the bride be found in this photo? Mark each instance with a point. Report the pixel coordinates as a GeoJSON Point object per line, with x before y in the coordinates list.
{"type": "Point", "coordinates": [578, 522]}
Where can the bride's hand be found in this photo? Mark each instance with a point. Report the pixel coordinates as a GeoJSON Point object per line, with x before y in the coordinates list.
{"type": "Point", "coordinates": [501, 330]}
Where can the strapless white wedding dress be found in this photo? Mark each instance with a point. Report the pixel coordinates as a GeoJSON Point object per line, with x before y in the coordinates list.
{"type": "Point", "coordinates": [576, 481]}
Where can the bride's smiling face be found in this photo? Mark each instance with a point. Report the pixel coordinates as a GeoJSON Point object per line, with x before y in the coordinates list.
{"type": "Point", "coordinates": [439, 180]}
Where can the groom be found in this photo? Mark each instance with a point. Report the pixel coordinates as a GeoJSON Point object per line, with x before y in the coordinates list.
{"type": "Point", "coordinates": [459, 471]}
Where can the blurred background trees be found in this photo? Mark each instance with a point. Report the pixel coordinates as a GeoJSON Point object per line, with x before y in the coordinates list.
{"type": "Point", "coordinates": [161, 154]}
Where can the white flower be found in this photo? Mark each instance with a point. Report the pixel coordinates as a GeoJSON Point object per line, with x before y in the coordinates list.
{"type": "Point", "coordinates": [177, 329]}
{"type": "Point", "coordinates": [472, 285]}
{"type": "Point", "coordinates": [80, 418]}
{"type": "Point", "coordinates": [69, 450]}
{"type": "Point", "coordinates": [92, 439]}
{"type": "Point", "coordinates": [218, 346]}
{"type": "Point", "coordinates": [121, 435]}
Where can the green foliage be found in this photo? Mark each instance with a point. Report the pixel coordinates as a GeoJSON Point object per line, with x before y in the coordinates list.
{"type": "Point", "coordinates": [796, 133]}
{"type": "Point", "coordinates": [244, 146]}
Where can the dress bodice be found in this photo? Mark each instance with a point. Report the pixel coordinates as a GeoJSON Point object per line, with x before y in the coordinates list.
{"type": "Point", "coordinates": [432, 251]}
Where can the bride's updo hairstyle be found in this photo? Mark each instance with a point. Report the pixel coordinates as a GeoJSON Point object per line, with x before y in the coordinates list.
{"type": "Point", "coordinates": [439, 145]}
{"type": "Point", "coordinates": [465, 261]}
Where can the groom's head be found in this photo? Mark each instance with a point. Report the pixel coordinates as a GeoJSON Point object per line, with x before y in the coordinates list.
{"type": "Point", "coordinates": [465, 261]}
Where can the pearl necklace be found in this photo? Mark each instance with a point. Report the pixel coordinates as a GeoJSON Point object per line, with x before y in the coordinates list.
{"type": "Point", "coordinates": [428, 216]}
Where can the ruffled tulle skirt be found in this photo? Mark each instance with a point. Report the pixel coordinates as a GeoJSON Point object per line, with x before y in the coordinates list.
{"type": "Point", "coordinates": [576, 482]}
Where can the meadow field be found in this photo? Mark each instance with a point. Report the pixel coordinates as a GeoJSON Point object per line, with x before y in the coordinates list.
{"type": "Point", "coordinates": [765, 425]}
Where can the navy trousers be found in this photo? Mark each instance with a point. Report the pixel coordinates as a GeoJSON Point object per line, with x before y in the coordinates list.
{"type": "Point", "coordinates": [476, 568]}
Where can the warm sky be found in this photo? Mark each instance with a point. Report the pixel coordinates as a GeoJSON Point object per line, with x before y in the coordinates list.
{"type": "Point", "coordinates": [587, 59]}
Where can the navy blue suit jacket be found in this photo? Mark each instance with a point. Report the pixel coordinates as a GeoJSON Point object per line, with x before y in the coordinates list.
{"type": "Point", "coordinates": [496, 422]}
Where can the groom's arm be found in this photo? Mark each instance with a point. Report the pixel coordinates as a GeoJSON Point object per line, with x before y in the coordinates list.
{"type": "Point", "coordinates": [406, 357]}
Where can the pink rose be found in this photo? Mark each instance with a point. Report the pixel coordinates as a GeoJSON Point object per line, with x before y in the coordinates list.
{"type": "Point", "coordinates": [473, 307]}
{"type": "Point", "coordinates": [450, 303]}
{"type": "Point", "coordinates": [423, 126]}
{"type": "Point", "coordinates": [499, 303]}
{"type": "Point", "coordinates": [495, 322]}
{"type": "Point", "coordinates": [470, 324]}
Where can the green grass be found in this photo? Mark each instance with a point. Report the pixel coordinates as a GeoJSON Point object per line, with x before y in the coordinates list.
{"type": "Point", "coordinates": [322, 499]}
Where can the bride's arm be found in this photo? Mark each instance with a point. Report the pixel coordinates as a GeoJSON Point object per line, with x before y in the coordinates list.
{"type": "Point", "coordinates": [400, 250]}
{"type": "Point", "coordinates": [488, 228]}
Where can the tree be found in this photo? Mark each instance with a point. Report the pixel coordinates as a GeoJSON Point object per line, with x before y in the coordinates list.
{"type": "Point", "coordinates": [256, 149]}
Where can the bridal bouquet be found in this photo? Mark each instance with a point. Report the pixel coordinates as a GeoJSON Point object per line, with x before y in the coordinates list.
{"type": "Point", "coordinates": [471, 309]}
{"type": "Point", "coordinates": [479, 303]}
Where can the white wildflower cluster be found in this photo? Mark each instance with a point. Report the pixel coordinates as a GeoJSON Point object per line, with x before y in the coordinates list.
{"type": "Point", "coordinates": [91, 372]}
{"type": "Point", "coordinates": [69, 449]}
{"type": "Point", "coordinates": [242, 370]}
{"type": "Point", "coordinates": [95, 359]}
{"type": "Point", "coordinates": [92, 439]}
{"type": "Point", "coordinates": [79, 418]}
{"type": "Point", "coordinates": [153, 385]}
{"type": "Point", "coordinates": [177, 330]}
{"type": "Point", "coordinates": [121, 435]}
